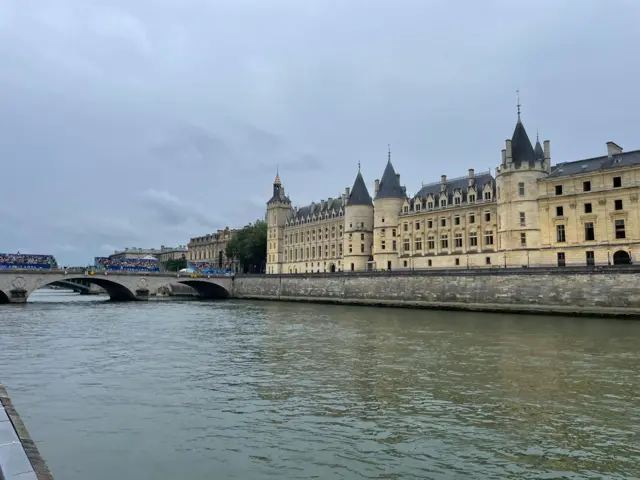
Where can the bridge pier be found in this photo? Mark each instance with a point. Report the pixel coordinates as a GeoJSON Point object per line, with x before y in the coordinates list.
{"type": "Point", "coordinates": [142, 294]}
{"type": "Point", "coordinates": [18, 296]}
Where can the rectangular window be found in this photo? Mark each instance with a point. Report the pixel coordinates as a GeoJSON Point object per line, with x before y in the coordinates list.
{"type": "Point", "coordinates": [523, 239]}
{"type": "Point", "coordinates": [418, 225]}
{"type": "Point", "coordinates": [406, 245]}
{"type": "Point", "coordinates": [620, 231]}
{"type": "Point", "coordinates": [443, 203]}
{"type": "Point", "coordinates": [393, 232]}
{"type": "Point", "coordinates": [472, 198]}
{"type": "Point", "coordinates": [353, 267]}
{"type": "Point", "coordinates": [487, 195]}
{"type": "Point", "coordinates": [418, 244]}
{"type": "Point", "coordinates": [617, 204]}
{"type": "Point", "coordinates": [487, 260]}
{"type": "Point", "coordinates": [405, 227]}
{"type": "Point", "coordinates": [586, 186]}
{"type": "Point", "coordinates": [456, 220]}
{"type": "Point", "coordinates": [383, 245]}
{"type": "Point", "coordinates": [429, 204]}
{"type": "Point", "coordinates": [417, 207]}
{"type": "Point", "coordinates": [444, 241]}
{"type": "Point", "coordinates": [560, 234]}
{"type": "Point", "coordinates": [559, 211]}
{"type": "Point", "coordinates": [521, 189]}
{"type": "Point", "coordinates": [430, 224]}
{"type": "Point", "coordinates": [558, 189]}
{"type": "Point", "coordinates": [523, 219]}
{"type": "Point", "coordinates": [588, 208]}
{"type": "Point", "coordinates": [589, 231]}
{"type": "Point", "coordinates": [473, 239]}
{"type": "Point", "coordinates": [350, 249]}
{"type": "Point", "coordinates": [487, 216]}
{"type": "Point", "coordinates": [429, 263]}
{"type": "Point", "coordinates": [443, 222]}
{"type": "Point", "coordinates": [362, 248]}
{"type": "Point", "coordinates": [394, 246]}
{"type": "Point", "coordinates": [458, 240]}
{"type": "Point", "coordinates": [488, 237]}
{"type": "Point", "coordinates": [406, 209]}
{"type": "Point", "coordinates": [362, 237]}
{"type": "Point", "coordinates": [472, 218]}
{"type": "Point", "coordinates": [431, 243]}
{"type": "Point", "coordinates": [457, 261]}
{"type": "Point", "coordinates": [456, 201]}
{"type": "Point", "coordinates": [617, 182]}
{"type": "Point", "coordinates": [591, 257]}
{"type": "Point", "coordinates": [404, 264]}
{"type": "Point", "coordinates": [561, 259]}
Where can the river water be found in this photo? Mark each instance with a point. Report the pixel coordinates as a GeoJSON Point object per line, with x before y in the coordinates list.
{"type": "Point", "coordinates": [196, 390]}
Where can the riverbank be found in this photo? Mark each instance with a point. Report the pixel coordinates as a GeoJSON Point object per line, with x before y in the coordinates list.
{"type": "Point", "coordinates": [19, 456]}
{"type": "Point", "coordinates": [601, 292]}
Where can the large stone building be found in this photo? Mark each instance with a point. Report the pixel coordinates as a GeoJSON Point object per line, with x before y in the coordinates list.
{"type": "Point", "coordinates": [211, 248]}
{"type": "Point", "coordinates": [162, 254]}
{"type": "Point", "coordinates": [531, 213]}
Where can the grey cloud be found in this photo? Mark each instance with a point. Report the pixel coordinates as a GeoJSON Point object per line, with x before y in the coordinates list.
{"type": "Point", "coordinates": [144, 123]}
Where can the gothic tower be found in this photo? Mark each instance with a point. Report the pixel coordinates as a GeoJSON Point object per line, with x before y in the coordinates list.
{"type": "Point", "coordinates": [278, 211]}
{"type": "Point", "coordinates": [358, 226]}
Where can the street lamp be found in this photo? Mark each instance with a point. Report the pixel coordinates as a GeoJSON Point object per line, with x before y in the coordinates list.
{"type": "Point", "coordinates": [505, 260]}
{"type": "Point", "coordinates": [609, 256]}
{"type": "Point", "coordinates": [467, 261]}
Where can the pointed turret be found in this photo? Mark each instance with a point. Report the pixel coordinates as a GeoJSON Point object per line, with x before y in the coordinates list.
{"type": "Point", "coordinates": [521, 148]}
{"type": "Point", "coordinates": [538, 150]}
{"type": "Point", "coordinates": [278, 192]}
{"type": "Point", "coordinates": [390, 183]}
{"type": "Point", "coordinates": [359, 194]}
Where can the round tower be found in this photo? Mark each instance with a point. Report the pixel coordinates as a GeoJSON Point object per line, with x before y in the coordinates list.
{"type": "Point", "coordinates": [278, 211]}
{"type": "Point", "coordinates": [517, 178]}
{"type": "Point", "coordinates": [358, 226]}
{"type": "Point", "coordinates": [389, 198]}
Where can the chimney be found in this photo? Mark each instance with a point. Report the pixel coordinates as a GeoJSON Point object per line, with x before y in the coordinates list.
{"type": "Point", "coordinates": [377, 185]}
{"type": "Point", "coordinates": [398, 177]}
{"type": "Point", "coordinates": [509, 152]}
{"type": "Point", "coordinates": [613, 149]}
{"type": "Point", "coordinates": [347, 191]}
{"type": "Point", "coordinates": [472, 177]}
{"type": "Point", "coordinates": [504, 156]}
{"type": "Point", "coordinates": [547, 151]}
{"type": "Point", "coordinates": [443, 183]}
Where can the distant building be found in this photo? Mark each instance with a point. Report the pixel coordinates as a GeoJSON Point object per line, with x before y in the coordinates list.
{"type": "Point", "coordinates": [211, 248]}
{"type": "Point", "coordinates": [583, 212]}
{"type": "Point", "coordinates": [162, 254]}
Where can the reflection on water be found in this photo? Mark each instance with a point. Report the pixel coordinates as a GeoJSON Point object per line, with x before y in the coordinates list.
{"type": "Point", "coordinates": [249, 390]}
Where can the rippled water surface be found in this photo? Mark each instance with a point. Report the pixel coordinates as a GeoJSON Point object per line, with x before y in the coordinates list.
{"type": "Point", "coordinates": [244, 390]}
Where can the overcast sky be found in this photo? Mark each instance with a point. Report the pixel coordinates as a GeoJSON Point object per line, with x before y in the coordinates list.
{"type": "Point", "coordinates": [145, 122]}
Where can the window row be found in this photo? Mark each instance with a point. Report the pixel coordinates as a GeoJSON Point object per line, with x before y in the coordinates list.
{"type": "Point", "coordinates": [293, 238]}
{"type": "Point", "coordinates": [586, 185]}
{"type": "Point", "coordinates": [295, 254]}
{"type": "Point", "coordinates": [443, 202]}
{"type": "Point", "coordinates": [619, 230]}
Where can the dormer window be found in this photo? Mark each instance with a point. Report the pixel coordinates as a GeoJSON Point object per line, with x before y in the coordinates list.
{"type": "Point", "coordinates": [456, 201]}
{"type": "Point", "coordinates": [443, 202]}
{"type": "Point", "coordinates": [487, 195]}
{"type": "Point", "coordinates": [417, 207]}
{"type": "Point", "coordinates": [429, 204]}
{"type": "Point", "coordinates": [472, 198]}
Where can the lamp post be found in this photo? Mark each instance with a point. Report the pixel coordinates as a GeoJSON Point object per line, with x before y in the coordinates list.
{"type": "Point", "coordinates": [505, 259]}
{"type": "Point", "coordinates": [527, 258]}
{"type": "Point", "coordinates": [608, 256]}
{"type": "Point", "coordinates": [467, 261]}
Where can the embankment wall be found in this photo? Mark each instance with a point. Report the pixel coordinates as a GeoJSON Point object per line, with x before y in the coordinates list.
{"type": "Point", "coordinates": [607, 291]}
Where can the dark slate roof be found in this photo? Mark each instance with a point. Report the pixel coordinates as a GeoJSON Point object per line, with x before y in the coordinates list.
{"type": "Point", "coordinates": [279, 196]}
{"type": "Point", "coordinates": [521, 149]}
{"type": "Point", "coordinates": [620, 160]}
{"type": "Point", "coordinates": [359, 194]}
{"type": "Point", "coordinates": [460, 183]}
{"type": "Point", "coordinates": [317, 208]}
{"type": "Point", "coordinates": [539, 151]}
{"type": "Point", "coordinates": [390, 185]}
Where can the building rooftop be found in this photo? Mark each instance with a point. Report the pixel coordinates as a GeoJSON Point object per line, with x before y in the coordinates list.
{"type": "Point", "coordinates": [359, 194]}
{"type": "Point", "coordinates": [618, 160]}
{"type": "Point", "coordinates": [458, 183]}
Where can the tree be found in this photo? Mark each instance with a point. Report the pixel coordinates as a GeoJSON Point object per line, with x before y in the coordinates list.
{"type": "Point", "coordinates": [248, 247]}
{"type": "Point", "coordinates": [175, 264]}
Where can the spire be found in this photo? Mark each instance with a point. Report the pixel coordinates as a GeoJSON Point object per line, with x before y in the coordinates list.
{"type": "Point", "coordinates": [390, 184]}
{"type": "Point", "coordinates": [277, 179]}
{"type": "Point", "coordinates": [518, 94]}
{"type": "Point", "coordinates": [359, 194]}
{"type": "Point", "coordinates": [538, 150]}
{"type": "Point", "coordinates": [389, 154]}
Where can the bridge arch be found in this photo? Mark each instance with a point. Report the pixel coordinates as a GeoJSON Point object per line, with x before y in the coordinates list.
{"type": "Point", "coordinates": [205, 289]}
{"type": "Point", "coordinates": [116, 291]}
{"type": "Point", "coordinates": [4, 298]}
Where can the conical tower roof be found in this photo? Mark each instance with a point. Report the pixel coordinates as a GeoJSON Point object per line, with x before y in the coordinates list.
{"type": "Point", "coordinates": [521, 148]}
{"type": "Point", "coordinates": [538, 150]}
{"type": "Point", "coordinates": [359, 194]}
{"type": "Point", "coordinates": [389, 184]}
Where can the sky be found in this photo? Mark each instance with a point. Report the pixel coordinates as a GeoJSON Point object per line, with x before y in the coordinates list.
{"type": "Point", "coordinates": [140, 123]}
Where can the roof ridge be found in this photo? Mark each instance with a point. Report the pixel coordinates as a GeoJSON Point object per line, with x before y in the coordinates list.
{"type": "Point", "coordinates": [455, 179]}
{"type": "Point", "coordinates": [595, 158]}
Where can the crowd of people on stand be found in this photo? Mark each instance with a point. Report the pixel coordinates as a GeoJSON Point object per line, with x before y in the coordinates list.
{"type": "Point", "coordinates": [127, 264]}
{"type": "Point", "coordinates": [18, 260]}
{"type": "Point", "coordinates": [208, 267]}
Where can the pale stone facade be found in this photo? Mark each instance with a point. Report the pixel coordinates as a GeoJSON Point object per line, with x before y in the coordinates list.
{"type": "Point", "coordinates": [211, 248]}
{"type": "Point", "coordinates": [163, 254]}
{"type": "Point", "coordinates": [532, 213]}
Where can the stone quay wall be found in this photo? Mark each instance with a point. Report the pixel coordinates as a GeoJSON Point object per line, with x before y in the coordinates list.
{"type": "Point", "coordinates": [601, 291]}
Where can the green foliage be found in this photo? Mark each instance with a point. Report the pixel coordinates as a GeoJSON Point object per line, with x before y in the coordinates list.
{"type": "Point", "coordinates": [175, 264]}
{"type": "Point", "coordinates": [248, 247]}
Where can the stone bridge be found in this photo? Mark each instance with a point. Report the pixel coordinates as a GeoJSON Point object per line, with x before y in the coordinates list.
{"type": "Point", "coordinates": [17, 285]}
